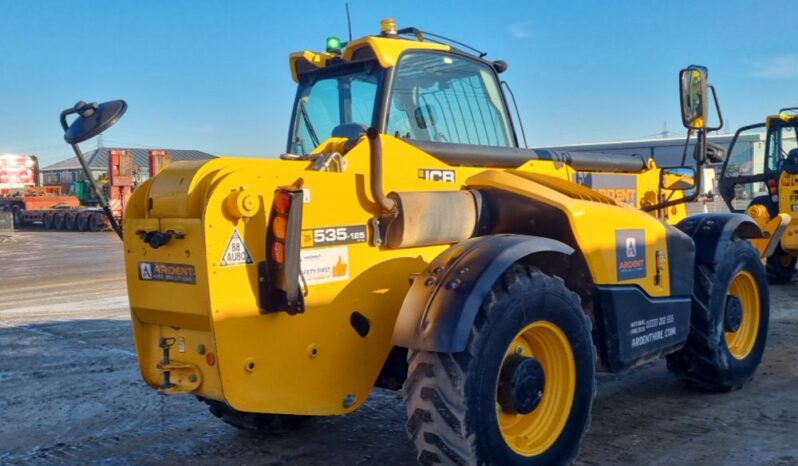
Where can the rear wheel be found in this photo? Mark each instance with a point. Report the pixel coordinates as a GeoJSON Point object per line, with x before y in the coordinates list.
{"type": "Point", "coordinates": [82, 222]}
{"type": "Point", "coordinates": [58, 221]}
{"type": "Point", "coordinates": [521, 392]}
{"type": "Point", "coordinates": [70, 220]}
{"type": "Point", "coordinates": [47, 221]}
{"type": "Point", "coordinates": [256, 422]}
{"type": "Point", "coordinates": [96, 222]}
{"type": "Point", "coordinates": [729, 322]}
{"type": "Point", "coordinates": [780, 267]}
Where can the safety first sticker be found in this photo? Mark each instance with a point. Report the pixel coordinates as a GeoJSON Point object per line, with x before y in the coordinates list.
{"type": "Point", "coordinates": [325, 265]}
{"type": "Point", "coordinates": [236, 252]}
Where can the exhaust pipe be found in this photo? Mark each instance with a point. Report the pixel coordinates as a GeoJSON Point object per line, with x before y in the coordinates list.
{"type": "Point", "coordinates": [387, 204]}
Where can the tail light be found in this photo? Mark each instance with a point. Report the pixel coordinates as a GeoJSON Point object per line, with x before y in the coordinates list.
{"type": "Point", "coordinates": [772, 186]}
{"type": "Point", "coordinates": [280, 273]}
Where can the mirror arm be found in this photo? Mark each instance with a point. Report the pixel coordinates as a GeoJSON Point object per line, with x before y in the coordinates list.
{"type": "Point", "coordinates": [100, 195]}
{"type": "Point", "coordinates": [717, 108]}
{"type": "Point", "coordinates": [701, 145]}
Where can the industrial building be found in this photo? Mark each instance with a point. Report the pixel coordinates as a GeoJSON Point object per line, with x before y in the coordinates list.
{"type": "Point", "coordinates": [65, 172]}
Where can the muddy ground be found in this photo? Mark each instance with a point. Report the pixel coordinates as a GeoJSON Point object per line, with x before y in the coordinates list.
{"type": "Point", "coordinates": [70, 391]}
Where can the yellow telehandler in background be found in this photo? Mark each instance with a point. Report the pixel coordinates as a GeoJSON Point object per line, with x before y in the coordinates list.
{"type": "Point", "coordinates": [760, 177]}
{"type": "Point", "coordinates": [406, 241]}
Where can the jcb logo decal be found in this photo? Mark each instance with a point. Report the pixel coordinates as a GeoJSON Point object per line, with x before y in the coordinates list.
{"type": "Point", "coordinates": [429, 174]}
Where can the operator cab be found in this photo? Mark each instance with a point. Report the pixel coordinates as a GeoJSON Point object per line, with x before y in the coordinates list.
{"type": "Point", "coordinates": [757, 157]}
{"type": "Point", "coordinates": [404, 85]}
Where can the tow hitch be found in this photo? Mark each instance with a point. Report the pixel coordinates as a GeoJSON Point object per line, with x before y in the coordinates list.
{"type": "Point", "coordinates": [178, 377]}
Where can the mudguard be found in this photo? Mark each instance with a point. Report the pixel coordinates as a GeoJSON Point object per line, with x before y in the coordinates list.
{"type": "Point", "coordinates": [711, 231]}
{"type": "Point", "coordinates": [442, 303]}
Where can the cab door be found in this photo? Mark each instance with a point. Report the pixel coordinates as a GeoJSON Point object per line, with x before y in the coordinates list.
{"type": "Point", "coordinates": [744, 175]}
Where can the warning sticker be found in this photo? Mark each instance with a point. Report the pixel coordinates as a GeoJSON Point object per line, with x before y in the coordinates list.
{"type": "Point", "coordinates": [236, 252]}
{"type": "Point", "coordinates": [163, 272]}
{"type": "Point", "coordinates": [325, 265]}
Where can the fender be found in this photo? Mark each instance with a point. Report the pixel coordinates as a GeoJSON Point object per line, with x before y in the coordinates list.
{"type": "Point", "coordinates": [439, 310]}
{"type": "Point", "coordinates": [711, 231]}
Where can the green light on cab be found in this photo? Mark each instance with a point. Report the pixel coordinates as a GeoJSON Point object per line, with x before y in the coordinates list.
{"type": "Point", "coordinates": [333, 44]}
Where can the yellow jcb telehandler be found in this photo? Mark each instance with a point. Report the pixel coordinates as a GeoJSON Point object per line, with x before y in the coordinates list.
{"type": "Point", "coordinates": [406, 241]}
{"type": "Point", "coordinates": [760, 177]}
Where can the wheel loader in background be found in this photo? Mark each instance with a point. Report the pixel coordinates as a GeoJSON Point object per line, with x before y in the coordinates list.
{"type": "Point", "coordinates": [760, 177]}
{"type": "Point", "coordinates": [406, 241]}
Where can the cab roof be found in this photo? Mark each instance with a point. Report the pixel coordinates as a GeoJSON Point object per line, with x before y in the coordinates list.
{"type": "Point", "coordinates": [385, 48]}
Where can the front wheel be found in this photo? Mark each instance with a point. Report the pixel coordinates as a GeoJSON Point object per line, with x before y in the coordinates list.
{"type": "Point", "coordinates": [728, 322]}
{"type": "Point", "coordinates": [780, 267]}
{"type": "Point", "coordinates": [521, 392]}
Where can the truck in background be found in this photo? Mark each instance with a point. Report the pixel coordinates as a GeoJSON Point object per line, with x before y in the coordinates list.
{"type": "Point", "coordinates": [31, 204]}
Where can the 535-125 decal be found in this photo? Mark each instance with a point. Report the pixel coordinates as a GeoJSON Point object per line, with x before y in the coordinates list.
{"type": "Point", "coordinates": [331, 236]}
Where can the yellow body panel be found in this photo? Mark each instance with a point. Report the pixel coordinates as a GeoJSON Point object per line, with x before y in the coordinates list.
{"type": "Point", "coordinates": [594, 225]}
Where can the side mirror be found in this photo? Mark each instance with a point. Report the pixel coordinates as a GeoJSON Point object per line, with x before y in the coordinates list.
{"type": "Point", "coordinates": [425, 117]}
{"type": "Point", "coordinates": [693, 92]}
{"type": "Point", "coordinates": [92, 119]}
{"type": "Point", "coordinates": [677, 178]}
{"type": "Point", "coordinates": [715, 152]}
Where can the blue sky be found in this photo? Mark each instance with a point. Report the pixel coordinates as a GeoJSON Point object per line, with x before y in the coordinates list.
{"type": "Point", "coordinates": [213, 76]}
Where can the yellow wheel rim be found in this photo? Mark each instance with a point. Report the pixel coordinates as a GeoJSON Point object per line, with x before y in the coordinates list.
{"type": "Point", "coordinates": [742, 341]}
{"type": "Point", "coordinates": [533, 433]}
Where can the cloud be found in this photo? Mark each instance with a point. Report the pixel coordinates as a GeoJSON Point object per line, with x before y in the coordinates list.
{"type": "Point", "coordinates": [778, 67]}
{"type": "Point", "coordinates": [520, 30]}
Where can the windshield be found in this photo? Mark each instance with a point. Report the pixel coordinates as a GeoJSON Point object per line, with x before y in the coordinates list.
{"type": "Point", "coordinates": [329, 98]}
{"type": "Point", "coordinates": [782, 141]}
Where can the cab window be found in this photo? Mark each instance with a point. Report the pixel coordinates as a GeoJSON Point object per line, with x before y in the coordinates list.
{"type": "Point", "coordinates": [782, 141]}
{"type": "Point", "coordinates": [447, 98]}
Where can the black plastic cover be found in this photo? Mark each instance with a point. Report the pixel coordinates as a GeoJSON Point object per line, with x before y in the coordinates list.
{"type": "Point", "coordinates": [93, 121]}
{"type": "Point", "coordinates": [511, 157]}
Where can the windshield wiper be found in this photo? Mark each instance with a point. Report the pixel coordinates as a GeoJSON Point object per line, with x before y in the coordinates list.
{"type": "Point", "coordinates": [312, 131]}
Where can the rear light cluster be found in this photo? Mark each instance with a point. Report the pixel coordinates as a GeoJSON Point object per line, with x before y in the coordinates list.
{"type": "Point", "coordinates": [282, 206]}
{"type": "Point", "coordinates": [280, 290]}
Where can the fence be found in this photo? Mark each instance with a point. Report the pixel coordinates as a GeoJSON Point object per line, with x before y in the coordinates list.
{"type": "Point", "coordinates": [6, 225]}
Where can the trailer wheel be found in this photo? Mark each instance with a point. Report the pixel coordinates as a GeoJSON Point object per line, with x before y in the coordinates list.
{"type": "Point", "coordinates": [70, 220]}
{"type": "Point", "coordinates": [780, 267]}
{"type": "Point", "coordinates": [58, 221]}
{"type": "Point", "coordinates": [47, 221]}
{"type": "Point", "coordinates": [16, 213]}
{"type": "Point", "coordinates": [728, 323]}
{"type": "Point", "coordinates": [96, 222]}
{"type": "Point", "coordinates": [266, 424]}
{"type": "Point", "coordinates": [82, 222]}
{"type": "Point", "coordinates": [521, 392]}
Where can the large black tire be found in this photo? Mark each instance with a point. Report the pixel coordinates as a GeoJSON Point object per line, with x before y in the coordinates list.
{"type": "Point", "coordinates": [780, 267]}
{"type": "Point", "coordinates": [96, 222]}
{"type": "Point", "coordinates": [58, 221]}
{"type": "Point", "coordinates": [82, 222]}
{"type": "Point", "coordinates": [70, 220]}
{"type": "Point", "coordinates": [452, 398]}
{"type": "Point", "coordinates": [47, 221]}
{"type": "Point", "coordinates": [707, 360]}
{"type": "Point", "coordinates": [265, 424]}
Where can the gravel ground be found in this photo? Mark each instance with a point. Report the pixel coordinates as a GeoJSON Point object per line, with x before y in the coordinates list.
{"type": "Point", "coordinates": [70, 390]}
